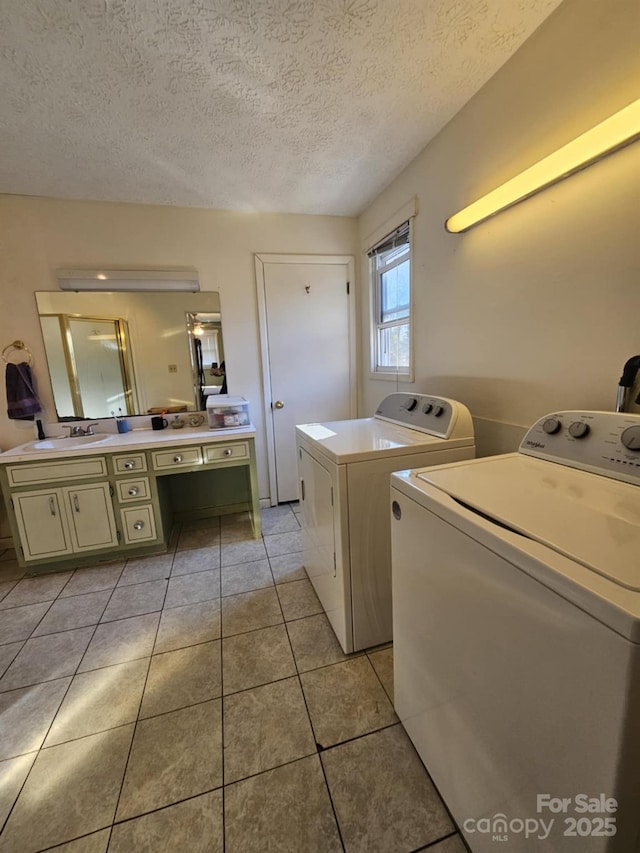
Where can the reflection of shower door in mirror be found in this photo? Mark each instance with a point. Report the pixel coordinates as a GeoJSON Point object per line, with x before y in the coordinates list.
{"type": "Point", "coordinates": [99, 353]}
{"type": "Point", "coordinates": [98, 371]}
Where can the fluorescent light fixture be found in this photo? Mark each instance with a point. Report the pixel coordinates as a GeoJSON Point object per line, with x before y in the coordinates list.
{"type": "Point", "coordinates": [186, 279]}
{"type": "Point", "coordinates": [613, 133]}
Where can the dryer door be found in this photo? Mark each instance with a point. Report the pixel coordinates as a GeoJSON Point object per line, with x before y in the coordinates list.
{"type": "Point", "coordinates": [319, 509]}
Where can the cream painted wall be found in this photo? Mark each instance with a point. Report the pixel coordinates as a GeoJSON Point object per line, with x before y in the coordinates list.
{"type": "Point", "coordinates": [537, 309]}
{"type": "Point", "coordinates": [39, 236]}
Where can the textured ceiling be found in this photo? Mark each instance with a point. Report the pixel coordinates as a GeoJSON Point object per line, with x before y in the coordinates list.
{"type": "Point", "coordinates": [301, 106]}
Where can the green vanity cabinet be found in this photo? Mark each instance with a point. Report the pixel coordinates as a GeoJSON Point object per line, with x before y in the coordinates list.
{"type": "Point", "coordinates": [136, 499]}
{"type": "Point", "coordinates": [213, 479]}
{"type": "Point", "coordinates": [61, 519]}
{"type": "Point", "coordinates": [71, 509]}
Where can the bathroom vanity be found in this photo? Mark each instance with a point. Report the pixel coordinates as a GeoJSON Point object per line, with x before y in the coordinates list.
{"type": "Point", "coordinates": [93, 498]}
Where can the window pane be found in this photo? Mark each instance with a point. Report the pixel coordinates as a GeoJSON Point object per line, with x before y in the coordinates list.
{"type": "Point", "coordinates": [393, 347]}
{"type": "Point", "coordinates": [394, 293]}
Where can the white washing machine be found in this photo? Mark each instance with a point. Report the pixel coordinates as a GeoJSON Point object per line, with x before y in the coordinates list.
{"type": "Point", "coordinates": [516, 603]}
{"type": "Point", "coordinates": [344, 469]}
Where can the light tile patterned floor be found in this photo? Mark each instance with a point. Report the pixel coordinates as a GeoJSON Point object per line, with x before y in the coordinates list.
{"type": "Point", "coordinates": [198, 701]}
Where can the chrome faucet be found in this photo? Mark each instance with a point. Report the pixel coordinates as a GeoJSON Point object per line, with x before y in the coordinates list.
{"type": "Point", "coordinates": [75, 431]}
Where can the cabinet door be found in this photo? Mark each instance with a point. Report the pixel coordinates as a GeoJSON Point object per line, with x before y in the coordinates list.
{"type": "Point", "coordinates": [42, 524]}
{"type": "Point", "coordinates": [91, 516]}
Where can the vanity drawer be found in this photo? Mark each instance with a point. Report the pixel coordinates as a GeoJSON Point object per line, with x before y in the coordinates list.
{"type": "Point", "coordinates": [138, 524]}
{"type": "Point", "coordinates": [131, 462]}
{"type": "Point", "coordinates": [62, 469]}
{"type": "Point", "coordinates": [222, 452]}
{"type": "Point", "coordinates": [133, 490]}
{"type": "Point", "coordinates": [179, 457]}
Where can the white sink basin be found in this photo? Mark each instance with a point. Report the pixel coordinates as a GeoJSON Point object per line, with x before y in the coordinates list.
{"type": "Point", "coordinates": [70, 442]}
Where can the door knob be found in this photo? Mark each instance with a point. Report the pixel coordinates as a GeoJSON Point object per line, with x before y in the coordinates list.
{"type": "Point", "coordinates": [278, 404]}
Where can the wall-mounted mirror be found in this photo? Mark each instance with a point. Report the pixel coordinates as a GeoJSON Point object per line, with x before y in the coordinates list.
{"type": "Point", "coordinates": [130, 352]}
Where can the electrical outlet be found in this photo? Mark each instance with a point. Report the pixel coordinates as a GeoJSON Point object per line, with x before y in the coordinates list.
{"type": "Point", "coordinates": [173, 368]}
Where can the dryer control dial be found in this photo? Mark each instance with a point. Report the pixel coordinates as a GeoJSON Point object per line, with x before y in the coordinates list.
{"type": "Point", "coordinates": [552, 425]}
{"type": "Point", "coordinates": [436, 416]}
{"type": "Point", "coordinates": [579, 429]}
{"type": "Point", "coordinates": [631, 438]}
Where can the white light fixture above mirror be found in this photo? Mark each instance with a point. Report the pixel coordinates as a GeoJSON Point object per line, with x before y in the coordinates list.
{"type": "Point", "coordinates": [104, 279]}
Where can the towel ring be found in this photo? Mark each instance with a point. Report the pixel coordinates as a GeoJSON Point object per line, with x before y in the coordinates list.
{"type": "Point", "coordinates": [16, 345]}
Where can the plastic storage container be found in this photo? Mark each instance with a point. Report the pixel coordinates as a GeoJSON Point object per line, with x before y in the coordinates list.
{"type": "Point", "coordinates": [225, 412]}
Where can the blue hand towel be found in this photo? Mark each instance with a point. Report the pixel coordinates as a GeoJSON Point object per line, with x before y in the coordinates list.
{"type": "Point", "coordinates": [22, 400]}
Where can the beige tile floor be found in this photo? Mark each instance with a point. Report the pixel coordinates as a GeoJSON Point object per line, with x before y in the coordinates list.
{"type": "Point", "coordinates": [198, 701]}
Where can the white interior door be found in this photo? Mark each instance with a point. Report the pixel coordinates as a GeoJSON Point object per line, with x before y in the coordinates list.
{"type": "Point", "coordinates": [308, 353]}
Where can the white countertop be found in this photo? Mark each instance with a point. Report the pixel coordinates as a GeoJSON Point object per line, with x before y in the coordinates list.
{"type": "Point", "coordinates": [136, 439]}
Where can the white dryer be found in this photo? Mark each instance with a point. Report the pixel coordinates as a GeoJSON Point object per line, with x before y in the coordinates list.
{"type": "Point", "coordinates": [516, 594]}
{"type": "Point", "coordinates": [344, 469]}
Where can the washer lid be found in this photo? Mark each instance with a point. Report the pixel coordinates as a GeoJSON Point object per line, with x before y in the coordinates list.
{"type": "Point", "coordinates": [591, 519]}
{"type": "Point", "coordinates": [366, 438]}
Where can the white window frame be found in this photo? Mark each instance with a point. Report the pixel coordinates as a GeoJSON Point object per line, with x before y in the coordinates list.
{"type": "Point", "coordinates": [406, 374]}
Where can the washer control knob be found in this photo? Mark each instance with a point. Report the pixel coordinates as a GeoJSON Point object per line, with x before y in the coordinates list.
{"type": "Point", "coordinates": [578, 429]}
{"type": "Point", "coordinates": [631, 438]}
{"type": "Point", "coordinates": [437, 411]}
{"type": "Point", "coordinates": [551, 426]}
{"type": "Point", "coordinates": [411, 404]}
{"type": "Point", "coordinates": [427, 408]}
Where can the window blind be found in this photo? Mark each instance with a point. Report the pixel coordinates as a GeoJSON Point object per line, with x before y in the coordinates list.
{"type": "Point", "coordinates": [398, 237]}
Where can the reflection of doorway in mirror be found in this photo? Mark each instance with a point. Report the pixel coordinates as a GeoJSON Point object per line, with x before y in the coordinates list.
{"type": "Point", "coordinates": [94, 376]}
{"type": "Point", "coordinates": [205, 332]}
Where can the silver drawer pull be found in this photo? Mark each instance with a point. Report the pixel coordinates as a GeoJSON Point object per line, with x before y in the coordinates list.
{"type": "Point", "coordinates": [177, 458]}
{"type": "Point", "coordinates": [138, 525]}
{"type": "Point", "coordinates": [133, 491]}
{"type": "Point", "coordinates": [52, 506]}
{"type": "Point", "coordinates": [129, 464]}
{"type": "Point", "coordinates": [227, 451]}
{"type": "Point", "coordinates": [76, 505]}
